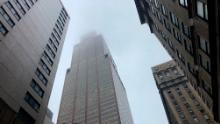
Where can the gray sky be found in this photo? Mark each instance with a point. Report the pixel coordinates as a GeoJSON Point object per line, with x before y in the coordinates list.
{"type": "Point", "coordinates": [134, 49]}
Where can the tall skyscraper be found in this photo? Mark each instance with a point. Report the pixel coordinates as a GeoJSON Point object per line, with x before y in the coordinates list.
{"type": "Point", "coordinates": [181, 102]}
{"type": "Point", "coordinates": [32, 34]}
{"type": "Point", "coordinates": [189, 31]}
{"type": "Point", "coordinates": [93, 92]}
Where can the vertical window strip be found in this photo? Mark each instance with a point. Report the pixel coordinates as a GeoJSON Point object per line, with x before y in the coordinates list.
{"type": "Point", "coordinates": [19, 6]}
{"type": "Point", "coordinates": [46, 56]}
{"type": "Point", "coordinates": [41, 77]}
{"type": "Point", "coordinates": [32, 101]}
{"type": "Point", "coordinates": [3, 29]}
{"type": "Point", "coordinates": [6, 17]}
{"type": "Point", "coordinates": [50, 51]}
{"type": "Point", "coordinates": [26, 4]}
{"type": "Point", "coordinates": [13, 11]}
{"type": "Point", "coordinates": [36, 87]}
{"type": "Point", "coordinates": [45, 67]}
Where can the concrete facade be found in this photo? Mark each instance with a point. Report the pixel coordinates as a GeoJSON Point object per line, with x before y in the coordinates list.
{"type": "Point", "coordinates": [32, 34]}
{"type": "Point", "coordinates": [189, 31]}
{"type": "Point", "coordinates": [48, 117]}
{"type": "Point", "coordinates": [93, 92]}
{"type": "Point", "coordinates": [181, 102]}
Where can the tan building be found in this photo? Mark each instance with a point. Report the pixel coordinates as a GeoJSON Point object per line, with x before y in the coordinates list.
{"type": "Point", "coordinates": [93, 92]}
{"type": "Point", "coordinates": [181, 102]}
{"type": "Point", "coordinates": [189, 30]}
{"type": "Point", "coordinates": [32, 34]}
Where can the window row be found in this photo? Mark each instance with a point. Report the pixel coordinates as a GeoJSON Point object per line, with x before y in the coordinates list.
{"type": "Point", "coordinates": [12, 6]}
{"type": "Point", "coordinates": [201, 7]}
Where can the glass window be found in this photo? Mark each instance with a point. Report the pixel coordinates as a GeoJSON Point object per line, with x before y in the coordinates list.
{"type": "Point", "coordinates": [58, 28]}
{"type": "Point", "coordinates": [52, 44]}
{"type": "Point", "coordinates": [21, 9]}
{"type": "Point", "coordinates": [205, 63]}
{"type": "Point", "coordinates": [57, 34]}
{"type": "Point", "coordinates": [60, 25]}
{"type": "Point", "coordinates": [45, 67]}
{"type": "Point", "coordinates": [156, 3]}
{"type": "Point", "coordinates": [26, 4]}
{"type": "Point", "coordinates": [55, 39]}
{"type": "Point", "coordinates": [61, 20]}
{"type": "Point", "coordinates": [3, 29]}
{"type": "Point", "coordinates": [13, 11]}
{"type": "Point", "coordinates": [174, 19]}
{"type": "Point", "coordinates": [183, 3]}
{"type": "Point", "coordinates": [31, 1]}
{"type": "Point", "coordinates": [204, 45]}
{"type": "Point", "coordinates": [41, 77]}
{"type": "Point", "coordinates": [31, 101]}
{"type": "Point", "coordinates": [50, 51]}
{"type": "Point", "coordinates": [46, 56]}
{"type": "Point", "coordinates": [6, 17]}
{"type": "Point", "coordinates": [202, 9]}
{"type": "Point", "coordinates": [36, 87]}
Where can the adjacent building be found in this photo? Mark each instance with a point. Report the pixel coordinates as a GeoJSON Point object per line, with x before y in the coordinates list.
{"type": "Point", "coordinates": [181, 102]}
{"type": "Point", "coordinates": [32, 34]}
{"type": "Point", "coordinates": [93, 92]}
{"type": "Point", "coordinates": [189, 31]}
{"type": "Point", "coordinates": [48, 118]}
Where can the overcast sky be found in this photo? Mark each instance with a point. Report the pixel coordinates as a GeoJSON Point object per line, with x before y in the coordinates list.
{"type": "Point", "coordinates": [134, 49]}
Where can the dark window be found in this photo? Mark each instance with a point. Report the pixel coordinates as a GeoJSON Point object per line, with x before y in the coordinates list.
{"type": "Point", "coordinates": [46, 56]}
{"type": "Point", "coordinates": [36, 87]}
{"type": "Point", "coordinates": [62, 12]}
{"type": "Point", "coordinates": [186, 30]}
{"type": "Point", "coordinates": [41, 76]}
{"type": "Point", "coordinates": [26, 4]}
{"type": "Point", "coordinates": [50, 51]}
{"type": "Point", "coordinates": [63, 17]}
{"type": "Point", "coordinates": [55, 39]}
{"type": "Point", "coordinates": [60, 25]}
{"type": "Point", "coordinates": [6, 17]}
{"type": "Point", "coordinates": [24, 117]}
{"type": "Point", "coordinates": [202, 9]}
{"type": "Point", "coordinates": [174, 19]}
{"type": "Point", "coordinates": [65, 12]}
{"type": "Point", "coordinates": [31, 101]}
{"type": "Point", "coordinates": [164, 10]}
{"type": "Point", "coordinates": [58, 28]}
{"type": "Point", "coordinates": [61, 21]}
{"type": "Point", "coordinates": [13, 11]}
{"type": "Point", "coordinates": [31, 1]}
{"type": "Point", "coordinates": [205, 63]}
{"type": "Point", "coordinates": [19, 7]}
{"type": "Point", "coordinates": [45, 67]}
{"type": "Point", "coordinates": [57, 34]}
{"type": "Point", "coordinates": [3, 29]}
{"type": "Point", "coordinates": [204, 45]}
{"type": "Point", "coordinates": [52, 44]}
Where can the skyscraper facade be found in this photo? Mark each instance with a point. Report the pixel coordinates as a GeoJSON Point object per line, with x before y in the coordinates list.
{"type": "Point", "coordinates": [181, 102]}
{"type": "Point", "coordinates": [189, 31]}
{"type": "Point", "coordinates": [32, 34]}
{"type": "Point", "coordinates": [93, 92]}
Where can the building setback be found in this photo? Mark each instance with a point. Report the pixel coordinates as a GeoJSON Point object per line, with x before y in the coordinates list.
{"type": "Point", "coordinates": [189, 31]}
{"type": "Point", "coordinates": [93, 92]}
{"type": "Point", "coordinates": [181, 102]}
{"type": "Point", "coordinates": [32, 34]}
